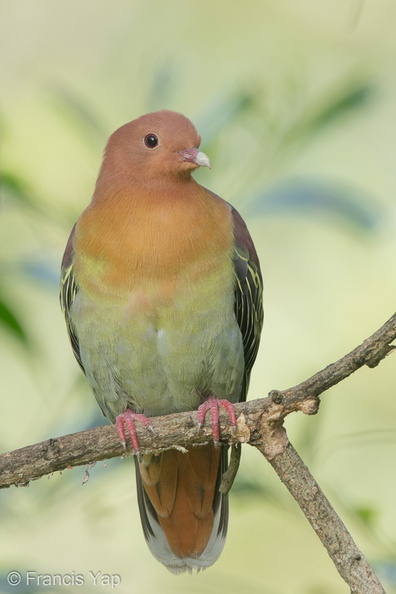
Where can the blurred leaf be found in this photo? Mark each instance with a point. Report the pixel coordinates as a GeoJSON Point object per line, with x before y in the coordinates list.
{"type": "Point", "coordinates": [336, 103]}
{"type": "Point", "coordinates": [10, 321]}
{"type": "Point", "coordinates": [278, 122]}
{"type": "Point", "coordinates": [18, 193]}
{"type": "Point", "coordinates": [223, 112]}
{"type": "Point", "coordinates": [368, 515]}
{"type": "Point", "coordinates": [245, 485]}
{"type": "Point", "coordinates": [317, 199]}
{"type": "Point", "coordinates": [14, 186]}
{"type": "Point", "coordinates": [348, 99]}
{"type": "Point", "coordinates": [42, 268]}
{"type": "Point", "coordinates": [79, 114]}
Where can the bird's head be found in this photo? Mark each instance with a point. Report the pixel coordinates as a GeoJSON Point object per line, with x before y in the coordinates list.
{"type": "Point", "coordinates": [156, 145]}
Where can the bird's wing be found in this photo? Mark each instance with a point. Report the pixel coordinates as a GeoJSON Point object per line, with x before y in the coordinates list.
{"type": "Point", "coordinates": [68, 292]}
{"type": "Point", "coordinates": [248, 293]}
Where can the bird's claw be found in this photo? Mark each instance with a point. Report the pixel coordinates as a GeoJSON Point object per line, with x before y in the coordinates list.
{"type": "Point", "coordinates": [126, 421]}
{"type": "Point", "coordinates": [213, 404]}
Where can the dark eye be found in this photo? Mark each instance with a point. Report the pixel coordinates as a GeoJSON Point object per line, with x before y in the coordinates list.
{"type": "Point", "coordinates": [151, 140]}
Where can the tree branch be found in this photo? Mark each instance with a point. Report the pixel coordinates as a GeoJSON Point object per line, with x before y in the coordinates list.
{"type": "Point", "coordinates": [350, 562]}
{"type": "Point", "coordinates": [260, 423]}
{"type": "Point", "coordinates": [371, 352]}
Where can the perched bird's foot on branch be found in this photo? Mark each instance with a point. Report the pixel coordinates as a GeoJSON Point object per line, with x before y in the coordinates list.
{"type": "Point", "coordinates": [127, 421]}
{"type": "Point", "coordinates": [213, 404]}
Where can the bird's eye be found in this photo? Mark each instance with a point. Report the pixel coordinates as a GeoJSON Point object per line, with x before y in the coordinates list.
{"type": "Point", "coordinates": [151, 140]}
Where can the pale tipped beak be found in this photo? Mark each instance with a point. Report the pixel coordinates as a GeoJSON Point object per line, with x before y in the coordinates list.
{"type": "Point", "coordinates": [193, 155]}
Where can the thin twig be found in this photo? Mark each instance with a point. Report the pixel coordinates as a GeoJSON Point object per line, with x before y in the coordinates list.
{"type": "Point", "coordinates": [375, 348]}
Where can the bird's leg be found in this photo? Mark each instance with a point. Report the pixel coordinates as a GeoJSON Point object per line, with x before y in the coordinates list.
{"type": "Point", "coordinates": [229, 475]}
{"type": "Point", "coordinates": [213, 404]}
{"type": "Point", "coordinates": [126, 420]}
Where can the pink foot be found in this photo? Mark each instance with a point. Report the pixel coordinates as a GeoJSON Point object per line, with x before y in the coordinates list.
{"type": "Point", "coordinates": [213, 404]}
{"type": "Point", "coordinates": [126, 421]}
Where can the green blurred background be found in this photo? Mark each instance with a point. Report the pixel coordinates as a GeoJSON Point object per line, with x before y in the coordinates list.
{"type": "Point", "coordinates": [296, 104]}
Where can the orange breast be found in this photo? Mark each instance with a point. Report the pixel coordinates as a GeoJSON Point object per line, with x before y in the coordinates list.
{"type": "Point", "coordinates": [126, 243]}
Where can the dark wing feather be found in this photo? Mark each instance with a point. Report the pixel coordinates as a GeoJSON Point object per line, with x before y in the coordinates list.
{"type": "Point", "coordinates": [68, 292]}
{"type": "Point", "coordinates": [248, 293]}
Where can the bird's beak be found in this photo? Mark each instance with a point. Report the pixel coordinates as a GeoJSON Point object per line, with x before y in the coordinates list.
{"type": "Point", "coordinates": [193, 155]}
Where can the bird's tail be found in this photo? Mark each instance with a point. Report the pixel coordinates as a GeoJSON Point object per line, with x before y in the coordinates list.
{"type": "Point", "coordinates": [184, 515]}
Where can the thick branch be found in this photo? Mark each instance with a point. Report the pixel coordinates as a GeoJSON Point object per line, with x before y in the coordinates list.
{"type": "Point", "coordinates": [260, 422]}
{"type": "Point", "coordinates": [31, 462]}
{"type": "Point", "coordinates": [348, 559]}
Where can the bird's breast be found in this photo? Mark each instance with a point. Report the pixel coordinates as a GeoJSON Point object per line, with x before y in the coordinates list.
{"type": "Point", "coordinates": [156, 291]}
{"type": "Point", "coordinates": [152, 253]}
